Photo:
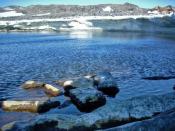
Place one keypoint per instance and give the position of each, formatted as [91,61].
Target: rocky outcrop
[32,84]
[106,83]
[114,113]
[87,99]
[162,10]
[163,122]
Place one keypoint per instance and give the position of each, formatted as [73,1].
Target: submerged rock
[106,83]
[32,84]
[29,106]
[174,87]
[87,99]
[113,113]
[51,90]
[159,78]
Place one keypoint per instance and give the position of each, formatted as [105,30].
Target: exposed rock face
[87,99]
[163,10]
[114,113]
[106,83]
[163,122]
[32,84]
[29,106]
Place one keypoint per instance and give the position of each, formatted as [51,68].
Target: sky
[141,3]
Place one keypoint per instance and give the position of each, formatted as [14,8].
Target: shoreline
[86,18]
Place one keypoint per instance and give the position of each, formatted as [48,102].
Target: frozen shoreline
[86,18]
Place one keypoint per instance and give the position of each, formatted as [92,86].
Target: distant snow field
[11,13]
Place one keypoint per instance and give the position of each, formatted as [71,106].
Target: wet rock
[78,83]
[87,99]
[66,103]
[29,106]
[106,83]
[163,122]
[44,122]
[159,78]
[113,113]
[51,90]
[32,84]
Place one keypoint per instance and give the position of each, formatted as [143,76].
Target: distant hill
[57,11]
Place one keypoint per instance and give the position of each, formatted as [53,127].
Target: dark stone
[174,87]
[106,83]
[87,99]
[159,78]
[48,105]
[113,113]
[78,83]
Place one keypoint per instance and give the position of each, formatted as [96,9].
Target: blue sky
[141,3]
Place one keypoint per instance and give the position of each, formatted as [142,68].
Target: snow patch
[107,9]
[10,14]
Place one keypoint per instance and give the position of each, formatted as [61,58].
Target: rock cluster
[87,93]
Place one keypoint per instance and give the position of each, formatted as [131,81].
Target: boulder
[87,99]
[29,106]
[105,82]
[77,83]
[113,113]
[32,84]
[51,90]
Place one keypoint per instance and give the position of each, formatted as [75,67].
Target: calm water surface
[49,57]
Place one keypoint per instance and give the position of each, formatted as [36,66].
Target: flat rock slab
[163,122]
[87,99]
[113,113]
